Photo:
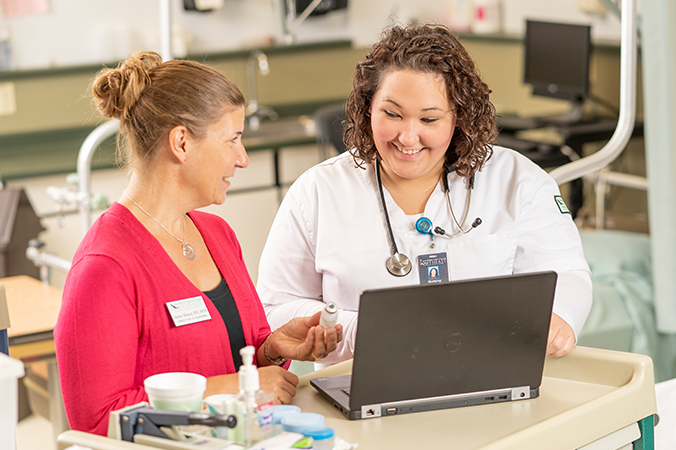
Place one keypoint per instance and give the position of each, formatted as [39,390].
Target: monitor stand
[572,116]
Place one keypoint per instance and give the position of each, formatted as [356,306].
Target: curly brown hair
[429,49]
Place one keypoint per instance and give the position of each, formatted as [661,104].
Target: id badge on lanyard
[433,268]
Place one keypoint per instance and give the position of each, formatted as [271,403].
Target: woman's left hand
[561,337]
[303,339]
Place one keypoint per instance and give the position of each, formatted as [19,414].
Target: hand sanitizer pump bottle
[255,405]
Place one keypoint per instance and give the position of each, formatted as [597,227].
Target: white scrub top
[328,242]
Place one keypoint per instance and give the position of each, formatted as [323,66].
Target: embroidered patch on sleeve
[561,204]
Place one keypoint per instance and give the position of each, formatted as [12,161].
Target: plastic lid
[175,385]
[281,411]
[298,423]
[319,434]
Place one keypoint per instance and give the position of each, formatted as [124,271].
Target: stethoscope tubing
[398,264]
[383,207]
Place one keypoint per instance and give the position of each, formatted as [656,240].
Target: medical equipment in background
[605,177]
[45,261]
[289,19]
[111,127]
[202,5]
[154,427]
[82,199]
[257,62]
[627,118]
[166,43]
[399,264]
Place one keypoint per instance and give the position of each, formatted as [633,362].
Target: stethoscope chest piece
[399,265]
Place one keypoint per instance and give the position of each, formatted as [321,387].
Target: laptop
[446,345]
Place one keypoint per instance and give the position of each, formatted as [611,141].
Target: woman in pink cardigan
[156,286]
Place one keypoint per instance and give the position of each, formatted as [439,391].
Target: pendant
[188,251]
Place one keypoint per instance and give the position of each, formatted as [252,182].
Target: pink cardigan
[114,329]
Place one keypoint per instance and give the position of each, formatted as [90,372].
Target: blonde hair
[150,98]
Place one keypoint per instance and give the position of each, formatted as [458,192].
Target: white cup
[224,404]
[218,403]
[178,391]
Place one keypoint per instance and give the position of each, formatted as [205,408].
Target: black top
[222,299]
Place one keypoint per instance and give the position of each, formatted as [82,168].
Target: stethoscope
[398,264]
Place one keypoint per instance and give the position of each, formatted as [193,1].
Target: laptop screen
[451,338]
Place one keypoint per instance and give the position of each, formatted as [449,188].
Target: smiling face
[218,154]
[412,123]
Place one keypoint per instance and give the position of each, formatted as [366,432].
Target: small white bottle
[329,317]
[255,405]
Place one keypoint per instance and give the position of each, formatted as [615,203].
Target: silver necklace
[188,251]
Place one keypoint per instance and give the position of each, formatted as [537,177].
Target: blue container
[298,423]
[279,412]
[322,438]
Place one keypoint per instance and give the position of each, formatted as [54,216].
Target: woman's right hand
[279,382]
[222,384]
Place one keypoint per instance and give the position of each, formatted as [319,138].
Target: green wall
[55,112]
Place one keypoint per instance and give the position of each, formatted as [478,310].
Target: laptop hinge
[369,411]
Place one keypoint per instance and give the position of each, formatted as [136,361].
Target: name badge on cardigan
[188,310]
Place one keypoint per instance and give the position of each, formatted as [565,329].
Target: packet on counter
[282,441]
[342,444]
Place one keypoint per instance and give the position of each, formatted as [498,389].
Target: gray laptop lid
[451,338]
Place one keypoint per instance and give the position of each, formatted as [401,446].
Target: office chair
[4,322]
[329,131]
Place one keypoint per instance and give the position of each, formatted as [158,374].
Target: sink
[275,133]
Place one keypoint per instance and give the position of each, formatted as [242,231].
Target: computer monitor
[557,60]
[323,7]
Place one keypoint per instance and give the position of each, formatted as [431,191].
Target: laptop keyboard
[345,391]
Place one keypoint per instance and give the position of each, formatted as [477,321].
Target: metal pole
[625,123]
[84,164]
[166,48]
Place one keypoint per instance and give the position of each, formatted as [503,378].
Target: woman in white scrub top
[419,116]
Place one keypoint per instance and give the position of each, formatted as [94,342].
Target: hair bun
[116,91]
